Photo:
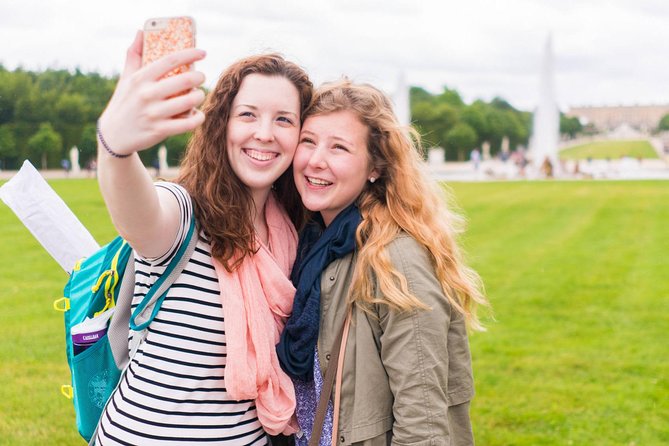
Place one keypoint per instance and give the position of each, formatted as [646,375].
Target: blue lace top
[307,395]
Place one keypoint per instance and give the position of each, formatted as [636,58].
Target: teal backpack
[96,307]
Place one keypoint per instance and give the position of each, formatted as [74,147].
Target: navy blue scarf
[316,250]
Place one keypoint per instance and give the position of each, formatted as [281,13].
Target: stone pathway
[492,170]
[495,170]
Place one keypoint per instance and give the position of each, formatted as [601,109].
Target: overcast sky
[607,52]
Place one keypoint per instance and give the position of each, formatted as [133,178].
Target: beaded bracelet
[104,144]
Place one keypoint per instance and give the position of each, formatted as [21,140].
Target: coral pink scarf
[257,299]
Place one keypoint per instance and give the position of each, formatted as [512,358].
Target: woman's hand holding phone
[149,104]
[167,35]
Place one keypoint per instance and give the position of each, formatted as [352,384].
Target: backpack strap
[122,320]
[118,329]
[148,308]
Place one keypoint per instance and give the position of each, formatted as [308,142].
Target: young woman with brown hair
[207,370]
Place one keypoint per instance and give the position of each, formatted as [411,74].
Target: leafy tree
[7,145]
[459,141]
[436,116]
[96,89]
[176,147]
[497,126]
[664,123]
[515,128]
[570,126]
[27,108]
[428,123]
[88,144]
[418,95]
[53,80]
[71,112]
[450,97]
[474,117]
[446,118]
[30,111]
[7,100]
[435,121]
[68,101]
[526,120]
[44,143]
[500,104]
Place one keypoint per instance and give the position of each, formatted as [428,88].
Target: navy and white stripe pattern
[174,391]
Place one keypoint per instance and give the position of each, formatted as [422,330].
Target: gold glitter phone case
[166,35]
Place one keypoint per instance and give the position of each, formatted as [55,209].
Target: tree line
[44,114]
[446,121]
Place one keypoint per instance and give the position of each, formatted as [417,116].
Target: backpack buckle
[62,304]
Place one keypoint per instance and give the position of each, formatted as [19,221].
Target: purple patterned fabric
[307,395]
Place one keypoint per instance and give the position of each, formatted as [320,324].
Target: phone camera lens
[153,23]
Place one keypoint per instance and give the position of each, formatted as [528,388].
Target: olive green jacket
[407,376]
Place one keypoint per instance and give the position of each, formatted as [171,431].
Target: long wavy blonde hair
[402,198]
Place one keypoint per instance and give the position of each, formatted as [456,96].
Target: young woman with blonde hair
[207,371]
[379,258]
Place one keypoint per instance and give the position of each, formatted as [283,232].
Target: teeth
[318,182]
[260,156]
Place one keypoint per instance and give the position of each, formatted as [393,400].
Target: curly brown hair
[223,204]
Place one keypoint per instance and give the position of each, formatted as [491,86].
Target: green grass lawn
[577,273]
[610,149]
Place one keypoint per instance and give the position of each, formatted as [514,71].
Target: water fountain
[401,100]
[546,120]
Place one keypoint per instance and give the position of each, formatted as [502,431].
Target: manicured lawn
[32,351]
[610,149]
[578,277]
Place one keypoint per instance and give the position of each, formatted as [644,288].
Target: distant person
[92,167]
[547,168]
[65,165]
[519,159]
[475,158]
[156,165]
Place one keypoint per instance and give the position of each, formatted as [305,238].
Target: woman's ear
[373,175]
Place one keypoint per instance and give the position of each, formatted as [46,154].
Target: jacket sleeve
[414,349]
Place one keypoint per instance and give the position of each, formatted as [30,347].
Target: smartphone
[165,35]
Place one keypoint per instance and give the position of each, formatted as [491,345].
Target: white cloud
[606,51]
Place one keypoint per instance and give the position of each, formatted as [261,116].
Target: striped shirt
[174,390]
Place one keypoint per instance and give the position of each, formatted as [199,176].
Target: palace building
[644,118]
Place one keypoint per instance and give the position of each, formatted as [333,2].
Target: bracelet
[104,144]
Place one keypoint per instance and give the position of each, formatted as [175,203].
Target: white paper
[47,217]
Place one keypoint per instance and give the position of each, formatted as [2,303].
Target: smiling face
[332,163]
[263,130]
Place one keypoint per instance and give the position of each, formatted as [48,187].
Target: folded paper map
[47,217]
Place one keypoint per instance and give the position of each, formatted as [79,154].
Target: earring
[372,179]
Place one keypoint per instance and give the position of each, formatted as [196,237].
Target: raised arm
[140,114]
